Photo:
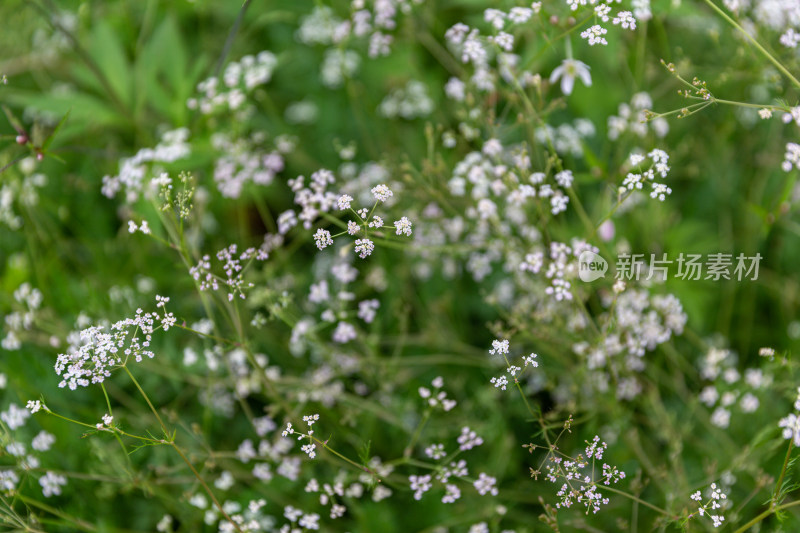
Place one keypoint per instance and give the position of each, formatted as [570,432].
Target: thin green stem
[77,522]
[755,43]
[205,486]
[638,500]
[782,475]
[116,435]
[171,442]
[362,468]
[765,514]
[417,433]
[149,403]
[208,336]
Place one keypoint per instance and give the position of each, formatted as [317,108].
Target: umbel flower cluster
[364,224]
[99,349]
[581,480]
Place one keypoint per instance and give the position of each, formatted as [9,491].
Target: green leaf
[52,135]
[13,119]
[108,53]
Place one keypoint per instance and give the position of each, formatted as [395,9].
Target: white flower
[51,484]
[485,485]
[568,71]
[43,441]
[344,201]
[625,19]
[420,485]
[364,247]
[791,428]
[530,360]
[499,383]
[595,35]
[381,192]
[309,449]
[499,347]
[403,226]
[323,238]
[564,178]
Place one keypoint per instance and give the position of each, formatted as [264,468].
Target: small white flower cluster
[304,521]
[51,484]
[238,79]
[17,322]
[373,21]
[330,493]
[363,246]
[313,199]
[244,161]
[658,165]
[455,469]
[249,519]
[310,448]
[567,139]
[728,388]
[420,485]
[471,46]
[561,267]
[485,484]
[409,102]
[501,347]
[337,66]
[24,192]
[334,299]
[437,398]
[14,418]
[780,16]
[641,322]
[631,117]
[232,267]
[107,422]
[595,34]
[97,352]
[34,406]
[134,171]
[500,182]
[715,501]
[435,451]
[144,227]
[468,439]
[791,423]
[792,157]
[8,481]
[580,484]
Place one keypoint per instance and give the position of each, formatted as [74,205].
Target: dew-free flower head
[568,71]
